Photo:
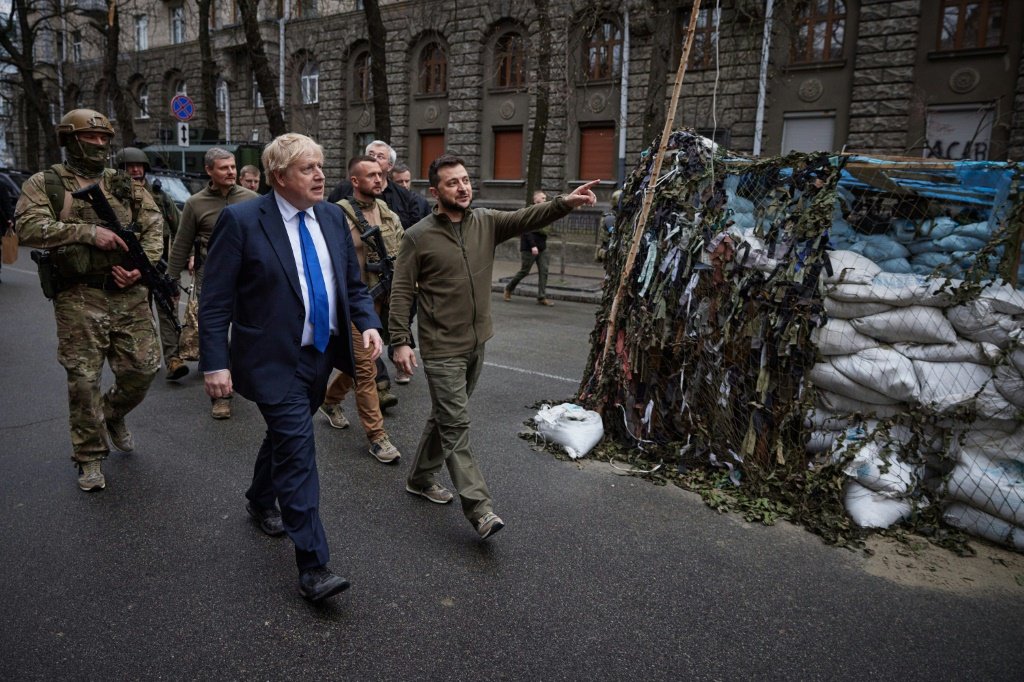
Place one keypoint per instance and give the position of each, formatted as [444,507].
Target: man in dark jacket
[410,207]
[533,248]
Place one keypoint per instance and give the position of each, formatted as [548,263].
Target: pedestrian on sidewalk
[446,262]
[533,248]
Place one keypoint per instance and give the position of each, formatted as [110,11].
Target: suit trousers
[445,439]
[285,469]
[367,403]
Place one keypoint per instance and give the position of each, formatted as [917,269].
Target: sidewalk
[579,283]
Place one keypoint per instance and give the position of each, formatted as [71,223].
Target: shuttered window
[508,154]
[597,153]
[431,147]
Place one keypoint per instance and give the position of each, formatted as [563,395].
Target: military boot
[120,436]
[90,477]
[384,395]
[176,369]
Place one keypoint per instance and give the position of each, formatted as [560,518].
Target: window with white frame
[177,25]
[181,88]
[76,46]
[257,96]
[143,100]
[222,95]
[141,32]
[310,83]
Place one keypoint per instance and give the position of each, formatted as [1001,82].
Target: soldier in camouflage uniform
[102,312]
[135,163]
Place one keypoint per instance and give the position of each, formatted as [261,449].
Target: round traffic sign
[183,108]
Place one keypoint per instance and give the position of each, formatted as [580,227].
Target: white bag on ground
[845,310]
[869,509]
[851,267]
[995,486]
[875,469]
[838,337]
[1010,384]
[983,524]
[946,385]
[979,321]
[883,370]
[961,351]
[893,288]
[913,324]
[825,375]
[574,428]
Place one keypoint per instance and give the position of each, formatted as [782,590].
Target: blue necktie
[320,314]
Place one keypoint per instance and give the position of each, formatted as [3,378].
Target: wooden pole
[645,211]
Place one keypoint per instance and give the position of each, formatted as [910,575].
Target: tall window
[142,32]
[820,27]
[971,23]
[76,46]
[508,154]
[177,25]
[431,147]
[309,83]
[362,83]
[222,95]
[257,96]
[181,88]
[510,61]
[142,97]
[602,51]
[705,37]
[597,153]
[433,70]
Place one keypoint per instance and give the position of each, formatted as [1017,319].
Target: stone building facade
[895,77]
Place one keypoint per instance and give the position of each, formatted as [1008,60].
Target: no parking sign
[183,108]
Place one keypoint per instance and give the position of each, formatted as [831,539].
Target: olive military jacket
[197,220]
[452,269]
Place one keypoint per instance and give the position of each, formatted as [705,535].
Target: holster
[49,278]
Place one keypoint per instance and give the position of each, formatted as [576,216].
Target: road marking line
[530,371]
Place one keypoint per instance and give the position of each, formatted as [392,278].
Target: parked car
[179,186]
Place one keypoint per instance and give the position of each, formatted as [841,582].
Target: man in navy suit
[282,273]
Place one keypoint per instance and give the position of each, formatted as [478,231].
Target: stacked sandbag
[899,347]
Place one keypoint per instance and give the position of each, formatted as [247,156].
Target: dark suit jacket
[252,284]
[410,206]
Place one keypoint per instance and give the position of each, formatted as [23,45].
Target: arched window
[222,95]
[433,70]
[309,83]
[142,100]
[510,61]
[602,52]
[362,82]
[819,31]
[180,87]
[971,23]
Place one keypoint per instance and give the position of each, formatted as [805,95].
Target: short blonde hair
[283,151]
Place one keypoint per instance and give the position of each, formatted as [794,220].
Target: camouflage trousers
[188,342]
[94,326]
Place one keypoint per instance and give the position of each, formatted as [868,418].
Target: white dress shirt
[290,216]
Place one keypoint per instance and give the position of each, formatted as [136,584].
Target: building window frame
[954,30]
[818,35]
[76,46]
[433,69]
[142,100]
[257,96]
[362,79]
[510,61]
[222,94]
[177,25]
[309,83]
[141,32]
[602,51]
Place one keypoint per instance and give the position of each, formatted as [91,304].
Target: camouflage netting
[756,359]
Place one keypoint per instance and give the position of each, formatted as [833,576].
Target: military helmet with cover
[131,155]
[82,121]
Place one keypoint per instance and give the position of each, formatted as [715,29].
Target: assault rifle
[384,266]
[161,287]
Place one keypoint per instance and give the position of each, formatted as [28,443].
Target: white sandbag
[877,467]
[820,441]
[849,266]
[991,404]
[841,405]
[894,288]
[961,351]
[1004,298]
[937,228]
[825,375]
[1010,384]
[896,265]
[838,337]
[1017,359]
[913,324]
[958,242]
[982,231]
[869,509]
[987,440]
[845,310]
[995,486]
[574,428]
[947,385]
[978,321]
[903,230]
[984,525]
[882,370]
[818,419]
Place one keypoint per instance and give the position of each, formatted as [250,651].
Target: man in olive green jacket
[446,260]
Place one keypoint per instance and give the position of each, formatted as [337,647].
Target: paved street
[596,576]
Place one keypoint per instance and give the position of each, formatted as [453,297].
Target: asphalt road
[596,576]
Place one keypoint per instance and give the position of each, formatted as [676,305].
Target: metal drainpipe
[624,95]
[762,82]
[281,52]
[227,113]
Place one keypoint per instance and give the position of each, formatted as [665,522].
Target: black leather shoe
[320,583]
[269,519]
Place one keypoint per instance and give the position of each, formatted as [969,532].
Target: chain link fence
[842,335]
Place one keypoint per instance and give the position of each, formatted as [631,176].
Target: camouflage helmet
[82,121]
[131,155]
[616,195]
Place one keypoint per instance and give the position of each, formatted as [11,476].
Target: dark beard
[450,205]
